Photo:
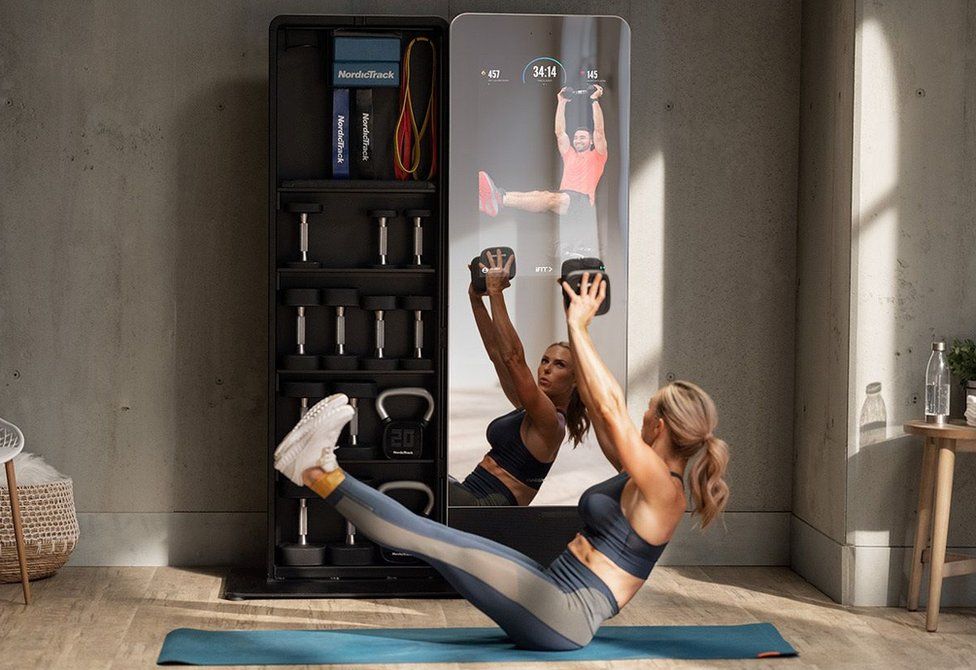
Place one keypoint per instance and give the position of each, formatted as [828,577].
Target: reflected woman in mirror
[627,520]
[524,442]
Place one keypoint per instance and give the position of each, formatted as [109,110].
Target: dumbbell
[478,273]
[353,450]
[351,551]
[301,298]
[403,438]
[395,555]
[418,215]
[417,304]
[381,216]
[303,209]
[302,552]
[340,299]
[572,273]
[379,304]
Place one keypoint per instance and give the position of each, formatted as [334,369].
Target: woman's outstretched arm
[488,337]
[536,403]
[604,399]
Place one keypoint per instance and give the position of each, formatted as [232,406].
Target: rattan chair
[11,444]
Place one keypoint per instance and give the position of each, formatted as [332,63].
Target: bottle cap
[874,387]
[938,346]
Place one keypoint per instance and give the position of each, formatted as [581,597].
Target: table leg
[940,530]
[924,524]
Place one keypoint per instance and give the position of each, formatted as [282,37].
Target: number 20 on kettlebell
[403,438]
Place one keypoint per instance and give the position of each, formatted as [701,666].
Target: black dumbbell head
[377,302]
[355,389]
[304,207]
[340,297]
[506,252]
[299,362]
[477,275]
[572,273]
[417,302]
[382,213]
[339,361]
[302,297]
[303,389]
[381,364]
[422,213]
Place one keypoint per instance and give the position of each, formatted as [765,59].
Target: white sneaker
[312,441]
[302,428]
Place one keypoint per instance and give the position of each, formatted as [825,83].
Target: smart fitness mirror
[539,135]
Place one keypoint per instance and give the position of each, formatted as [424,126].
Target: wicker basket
[47,513]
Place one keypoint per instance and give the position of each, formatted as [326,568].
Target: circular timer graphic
[544,70]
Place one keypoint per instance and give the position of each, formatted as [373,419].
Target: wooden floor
[118,617]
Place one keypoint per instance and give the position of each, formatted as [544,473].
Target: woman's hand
[583,306]
[498,276]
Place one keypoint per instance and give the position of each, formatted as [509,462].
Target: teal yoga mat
[189,646]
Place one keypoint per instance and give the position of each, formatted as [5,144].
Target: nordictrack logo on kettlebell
[404,438]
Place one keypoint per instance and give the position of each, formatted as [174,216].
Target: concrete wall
[133,254]
[823,292]
[912,280]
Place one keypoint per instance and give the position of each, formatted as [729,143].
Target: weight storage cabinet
[327,274]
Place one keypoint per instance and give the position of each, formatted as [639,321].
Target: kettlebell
[403,438]
[395,555]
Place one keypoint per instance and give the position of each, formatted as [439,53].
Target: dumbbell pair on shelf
[416,216]
[381,217]
[340,299]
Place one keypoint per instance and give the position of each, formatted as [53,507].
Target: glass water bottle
[937,385]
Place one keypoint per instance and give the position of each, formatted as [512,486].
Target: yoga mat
[189,646]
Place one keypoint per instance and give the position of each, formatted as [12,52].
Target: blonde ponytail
[709,492]
[691,417]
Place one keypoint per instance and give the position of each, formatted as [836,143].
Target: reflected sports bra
[609,531]
[510,452]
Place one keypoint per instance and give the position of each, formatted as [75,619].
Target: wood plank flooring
[117,617]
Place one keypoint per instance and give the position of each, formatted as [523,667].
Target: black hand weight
[478,273]
[572,273]
[403,438]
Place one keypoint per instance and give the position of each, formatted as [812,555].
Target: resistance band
[409,137]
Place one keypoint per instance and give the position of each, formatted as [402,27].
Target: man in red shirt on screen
[584,158]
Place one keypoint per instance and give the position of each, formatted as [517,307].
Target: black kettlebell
[396,555]
[478,273]
[403,438]
[572,273]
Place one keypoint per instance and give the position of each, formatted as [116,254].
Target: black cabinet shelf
[352,374]
[355,186]
[293,273]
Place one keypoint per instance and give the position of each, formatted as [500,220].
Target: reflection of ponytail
[690,416]
[576,419]
[709,491]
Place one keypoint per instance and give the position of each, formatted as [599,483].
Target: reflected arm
[562,139]
[489,339]
[599,136]
[536,403]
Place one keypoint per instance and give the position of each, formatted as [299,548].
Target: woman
[525,441]
[628,519]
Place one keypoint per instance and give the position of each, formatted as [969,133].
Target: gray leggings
[558,608]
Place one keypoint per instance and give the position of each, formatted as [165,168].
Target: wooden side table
[938,460]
